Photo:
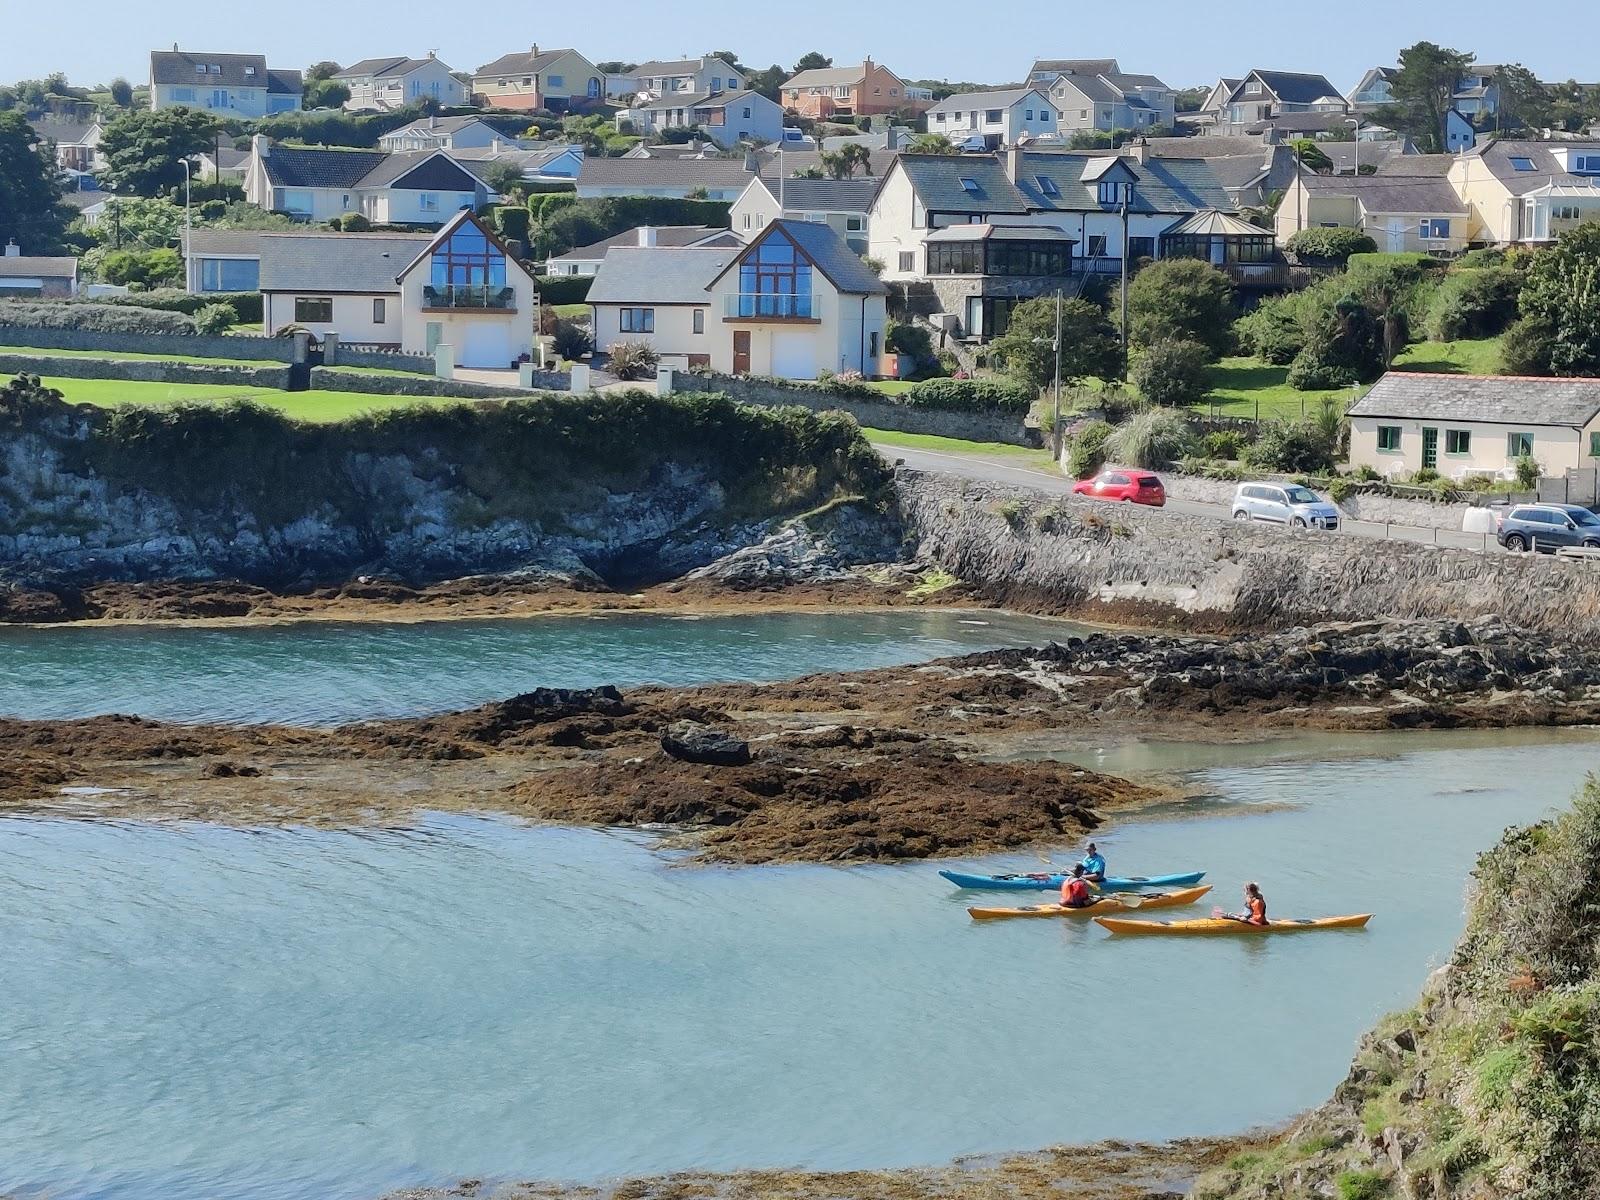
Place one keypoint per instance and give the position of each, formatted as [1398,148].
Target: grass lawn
[130,355]
[891,387]
[1247,387]
[927,441]
[570,312]
[305,406]
[1466,357]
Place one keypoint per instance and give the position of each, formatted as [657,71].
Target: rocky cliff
[626,488]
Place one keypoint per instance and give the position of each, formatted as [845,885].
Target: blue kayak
[1047,882]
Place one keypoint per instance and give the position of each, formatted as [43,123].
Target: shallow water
[196,1012]
[323,673]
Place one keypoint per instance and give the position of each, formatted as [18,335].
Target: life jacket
[1075,893]
[1257,907]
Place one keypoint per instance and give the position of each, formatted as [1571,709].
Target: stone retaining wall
[385,360]
[198,345]
[1030,548]
[145,370]
[1368,506]
[875,414]
[333,380]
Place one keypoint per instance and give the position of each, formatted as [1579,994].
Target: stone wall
[1367,506]
[181,345]
[1158,566]
[874,414]
[332,379]
[384,360]
[144,370]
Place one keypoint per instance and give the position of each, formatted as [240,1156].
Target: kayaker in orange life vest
[1255,906]
[1075,891]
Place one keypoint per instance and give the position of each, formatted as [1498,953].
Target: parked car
[1548,527]
[1284,504]
[1115,483]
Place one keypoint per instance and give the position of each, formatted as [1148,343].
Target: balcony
[452,299]
[768,306]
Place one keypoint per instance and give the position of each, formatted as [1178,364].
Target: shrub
[513,222]
[213,210]
[948,362]
[354,223]
[571,341]
[912,340]
[968,395]
[1222,443]
[215,318]
[633,360]
[1528,472]
[1361,1185]
[1309,374]
[1528,347]
[141,268]
[1087,453]
[246,304]
[1329,245]
[1424,475]
[1182,299]
[1116,401]
[1474,303]
[1340,488]
[564,289]
[98,318]
[1151,440]
[1290,446]
[1273,332]
[1171,373]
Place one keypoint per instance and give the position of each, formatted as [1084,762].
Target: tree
[504,177]
[1173,372]
[1523,99]
[145,150]
[1424,88]
[30,194]
[137,223]
[727,56]
[1181,299]
[768,83]
[1311,156]
[812,61]
[139,268]
[845,161]
[324,93]
[1562,295]
[931,143]
[122,93]
[321,70]
[1089,345]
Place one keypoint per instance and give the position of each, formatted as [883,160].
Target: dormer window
[1047,185]
[250,71]
[1110,192]
[1586,164]
[199,68]
[215,69]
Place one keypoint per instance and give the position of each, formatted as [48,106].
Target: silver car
[1284,504]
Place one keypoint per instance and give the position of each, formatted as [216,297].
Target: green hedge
[246,304]
[564,289]
[1332,245]
[513,221]
[96,318]
[967,395]
[584,222]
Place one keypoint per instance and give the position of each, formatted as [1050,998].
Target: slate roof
[828,252]
[1000,233]
[668,237]
[381,67]
[1124,80]
[439,172]
[700,100]
[1307,122]
[285,83]
[178,67]
[651,275]
[681,66]
[1344,155]
[826,195]
[523,62]
[62,130]
[664,172]
[227,158]
[12,267]
[301,167]
[1417,164]
[1498,399]
[937,180]
[999,98]
[1095,88]
[1075,66]
[1547,169]
[879,160]
[336,262]
[1211,146]
[828,77]
[443,126]
[1176,185]
[1295,87]
[1391,193]
[225,241]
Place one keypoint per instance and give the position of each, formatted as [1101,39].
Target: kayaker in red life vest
[1255,906]
[1075,891]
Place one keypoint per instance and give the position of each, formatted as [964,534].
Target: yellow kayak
[1109,904]
[1222,925]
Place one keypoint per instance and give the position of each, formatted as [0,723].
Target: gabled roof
[1074,66]
[233,70]
[651,275]
[303,167]
[831,76]
[703,100]
[825,195]
[523,62]
[285,83]
[226,157]
[999,98]
[826,252]
[1547,168]
[465,217]
[336,262]
[937,179]
[380,68]
[1126,81]
[37,268]
[1391,193]
[1093,87]
[1417,164]
[1214,146]
[421,170]
[679,66]
[225,241]
[443,127]
[63,131]
[1497,399]
[1294,87]
[668,237]
[664,172]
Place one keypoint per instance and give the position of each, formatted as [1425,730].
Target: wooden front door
[741,352]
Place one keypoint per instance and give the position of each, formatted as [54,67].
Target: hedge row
[96,318]
[246,304]
[948,395]
[564,289]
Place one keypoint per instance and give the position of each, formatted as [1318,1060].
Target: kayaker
[1075,891]
[1255,906]
[1094,865]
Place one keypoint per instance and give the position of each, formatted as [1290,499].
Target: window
[229,275]
[969,185]
[466,269]
[1047,186]
[1141,247]
[250,72]
[1109,192]
[872,344]
[1458,441]
[1435,229]
[955,258]
[1027,114]
[182,95]
[1594,445]
[199,68]
[1518,444]
[747,220]
[380,310]
[1097,246]
[775,280]
[1253,88]
[747,114]
[894,91]
[219,98]
[428,201]
[1389,438]
[993,116]
[908,260]
[1565,212]
[854,224]
[1585,164]
[939,118]
[1522,164]
[297,203]
[699,320]
[313,310]
[555,81]
[638,320]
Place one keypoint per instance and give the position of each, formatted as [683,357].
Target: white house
[223,260]
[685,76]
[1473,424]
[1263,96]
[424,188]
[841,204]
[1413,213]
[443,133]
[76,144]
[387,83]
[713,178]
[558,162]
[1112,100]
[794,303]
[586,260]
[230,85]
[340,283]
[994,118]
[727,118]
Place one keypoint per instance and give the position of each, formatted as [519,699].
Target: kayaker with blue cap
[1075,891]
[1094,865]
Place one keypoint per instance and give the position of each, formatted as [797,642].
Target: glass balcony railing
[469,297]
[757,306]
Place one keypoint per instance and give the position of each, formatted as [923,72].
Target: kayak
[1221,925]
[1109,905]
[1051,882]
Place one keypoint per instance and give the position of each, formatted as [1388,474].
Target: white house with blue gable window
[468,291]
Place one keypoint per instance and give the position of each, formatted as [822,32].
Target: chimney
[1140,151]
[13,250]
[174,47]
[433,54]
[891,140]
[752,163]
[260,147]
[647,235]
[536,48]
[494,147]
[433,122]
[1013,162]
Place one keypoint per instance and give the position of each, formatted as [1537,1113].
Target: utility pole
[1055,425]
[1127,196]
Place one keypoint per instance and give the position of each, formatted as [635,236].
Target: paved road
[1000,469]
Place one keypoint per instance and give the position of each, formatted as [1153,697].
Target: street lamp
[188,224]
[1355,125]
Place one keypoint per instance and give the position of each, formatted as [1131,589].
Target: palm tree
[931,143]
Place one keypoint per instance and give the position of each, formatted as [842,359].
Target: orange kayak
[1109,904]
[1223,926]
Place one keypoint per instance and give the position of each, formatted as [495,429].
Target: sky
[1184,42]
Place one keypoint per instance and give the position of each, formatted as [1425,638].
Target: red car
[1115,483]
